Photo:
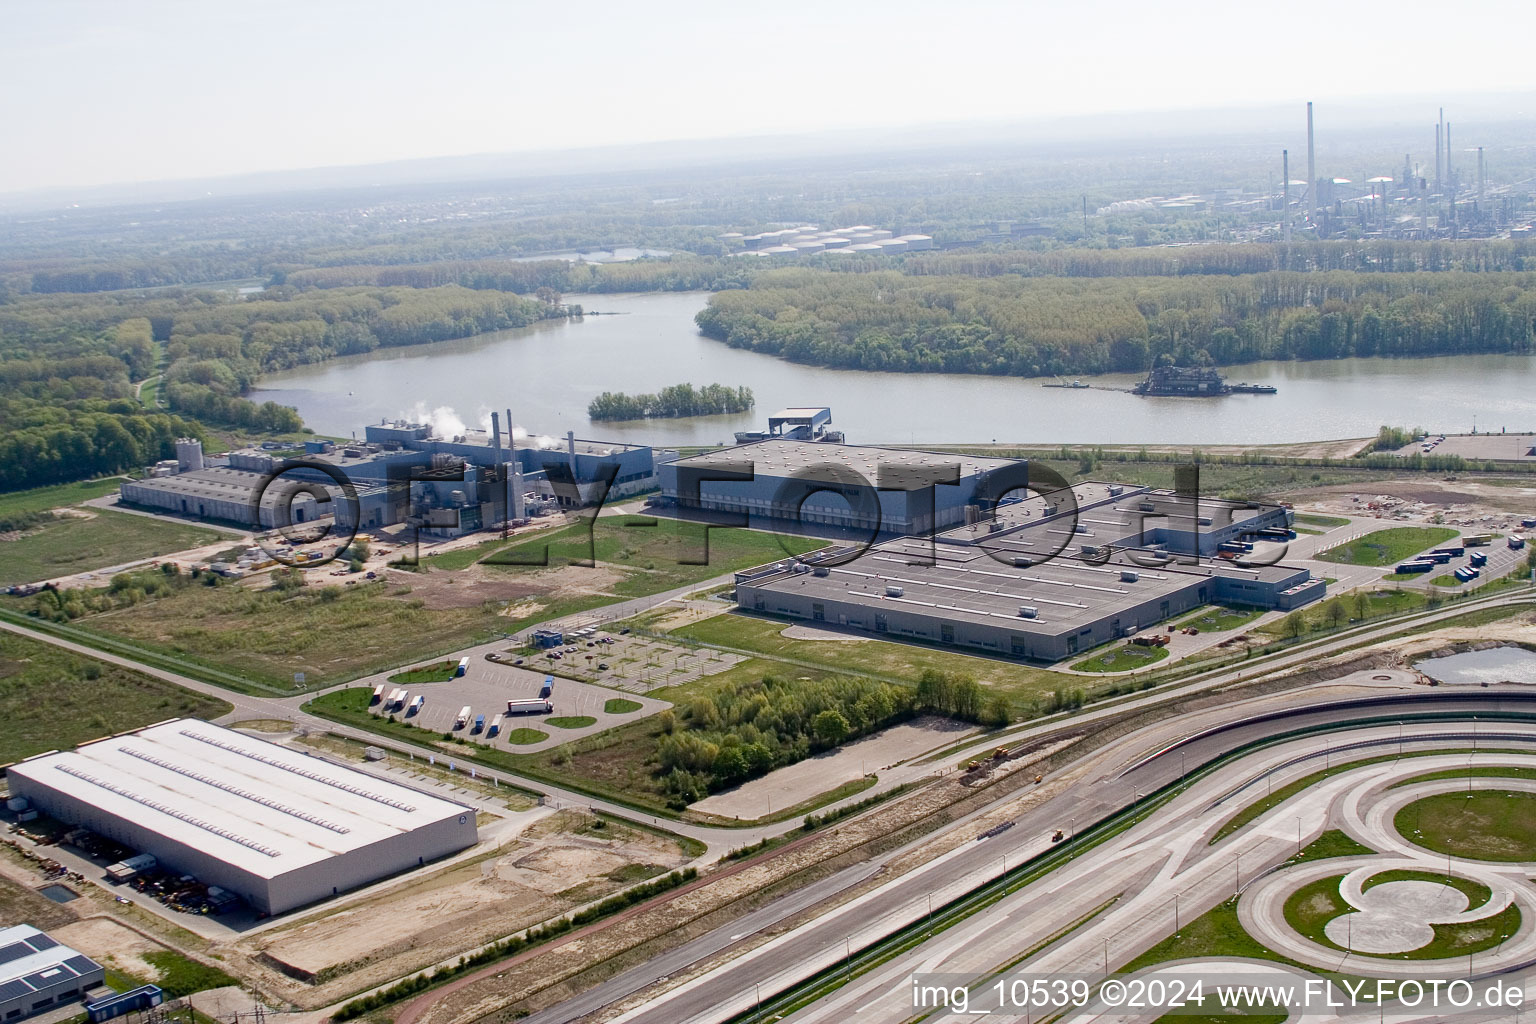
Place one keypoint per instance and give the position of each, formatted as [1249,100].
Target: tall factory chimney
[1408,173]
[570,451]
[1440,152]
[1482,179]
[496,436]
[1285,194]
[1311,167]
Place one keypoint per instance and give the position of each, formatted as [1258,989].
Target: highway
[1144,867]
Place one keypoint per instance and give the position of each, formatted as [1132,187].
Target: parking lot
[487,686]
[635,662]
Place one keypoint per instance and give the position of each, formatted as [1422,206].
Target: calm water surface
[1497,665]
[549,372]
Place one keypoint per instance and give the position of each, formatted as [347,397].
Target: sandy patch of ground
[544,872]
[111,943]
[793,784]
[1455,498]
[1520,628]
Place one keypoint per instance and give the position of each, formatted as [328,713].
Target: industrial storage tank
[838,252]
[917,241]
[781,250]
[893,245]
[865,247]
[879,233]
[807,248]
[834,242]
[189,455]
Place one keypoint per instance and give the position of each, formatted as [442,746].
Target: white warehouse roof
[258,806]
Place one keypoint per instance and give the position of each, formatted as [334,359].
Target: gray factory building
[859,487]
[276,827]
[401,472]
[1042,580]
[38,973]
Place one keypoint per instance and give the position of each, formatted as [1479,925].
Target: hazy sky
[128,90]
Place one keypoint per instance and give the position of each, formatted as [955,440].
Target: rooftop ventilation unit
[1023,562]
[821,570]
[1028,611]
[1129,576]
[894,591]
[1115,490]
[1204,520]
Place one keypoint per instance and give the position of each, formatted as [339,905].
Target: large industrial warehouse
[1042,580]
[860,487]
[400,472]
[275,827]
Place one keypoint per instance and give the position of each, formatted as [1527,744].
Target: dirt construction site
[541,864]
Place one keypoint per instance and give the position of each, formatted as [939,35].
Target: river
[548,373]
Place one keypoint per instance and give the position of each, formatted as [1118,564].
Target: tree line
[727,737]
[1042,326]
[674,401]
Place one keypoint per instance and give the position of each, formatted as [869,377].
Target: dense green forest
[68,363]
[1035,326]
[671,402]
[679,273]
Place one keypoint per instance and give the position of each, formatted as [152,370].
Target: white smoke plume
[443,420]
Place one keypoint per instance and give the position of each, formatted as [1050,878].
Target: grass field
[849,653]
[437,672]
[1218,618]
[332,633]
[1377,603]
[1446,581]
[19,903]
[1328,522]
[1125,658]
[652,551]
[41,499]
[1388,547]
[181,976]
[570,721]
[52,699]
[68,545]
[1484,824]
[526,736]
[1309,909]
[620,706]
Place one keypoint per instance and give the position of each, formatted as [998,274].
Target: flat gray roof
[781,457]
[973,574]
[261,807]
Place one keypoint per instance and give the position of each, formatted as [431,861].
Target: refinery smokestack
[496,435]
[1440,152]
[1311,167]
[1482,179]
[1450,174]
[1285,194]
